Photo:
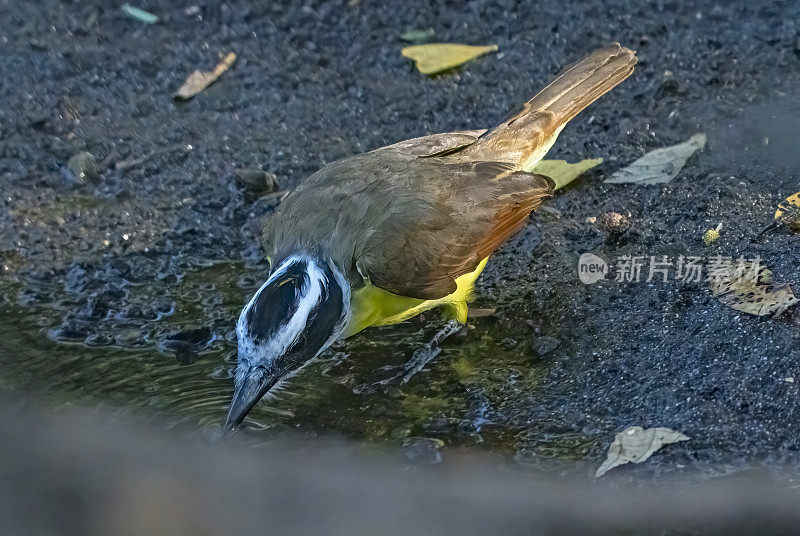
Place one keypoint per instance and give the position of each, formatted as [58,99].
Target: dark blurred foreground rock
[86,473]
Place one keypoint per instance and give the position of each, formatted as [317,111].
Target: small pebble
[526,456]
[84,167]
[509,344]
[544,345]
[614,222]
[423,450]
[436,424]
[257,181]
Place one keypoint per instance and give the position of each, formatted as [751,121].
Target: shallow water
[178,364]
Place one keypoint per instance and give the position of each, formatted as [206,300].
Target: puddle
[168,347]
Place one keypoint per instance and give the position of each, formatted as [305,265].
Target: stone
[544,345]
[84,167]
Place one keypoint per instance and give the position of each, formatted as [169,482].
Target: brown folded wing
[436,144]
[428,241]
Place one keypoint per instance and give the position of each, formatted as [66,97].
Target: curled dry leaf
[563,172]
[788,212]
[747,288]
[635,445]
[437,57]
[614,223]
[711,235]
[787,215]
[661,165]
[199,80]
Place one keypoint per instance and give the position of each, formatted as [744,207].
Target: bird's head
[300,310]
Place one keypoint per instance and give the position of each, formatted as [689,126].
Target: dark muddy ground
[124,292]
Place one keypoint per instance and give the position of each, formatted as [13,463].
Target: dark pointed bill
[256,384]
[295,315]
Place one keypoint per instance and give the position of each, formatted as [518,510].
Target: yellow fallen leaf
[199,80]
[563,172]
[791,201]
[747,288]
[789,212]
[437,57]
[711,235]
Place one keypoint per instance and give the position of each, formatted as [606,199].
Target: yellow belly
[372,306]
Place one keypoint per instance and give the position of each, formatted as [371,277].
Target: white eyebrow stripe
[280,270]
[289,332]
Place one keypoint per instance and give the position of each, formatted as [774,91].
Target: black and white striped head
[300,310]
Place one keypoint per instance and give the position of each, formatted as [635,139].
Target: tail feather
[581,83]
[526,136]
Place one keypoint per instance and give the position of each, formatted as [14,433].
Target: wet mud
[123,272]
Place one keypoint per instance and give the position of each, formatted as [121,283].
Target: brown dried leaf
[635,445]
[199,80]
[480,313]
[753,295]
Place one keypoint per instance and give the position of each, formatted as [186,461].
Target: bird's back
[411,225]
[417,219]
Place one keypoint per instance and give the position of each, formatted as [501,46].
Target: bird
[377,238]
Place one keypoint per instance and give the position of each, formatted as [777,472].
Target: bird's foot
[422,356]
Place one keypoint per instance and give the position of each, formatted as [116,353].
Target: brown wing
[436,144]
[426,242]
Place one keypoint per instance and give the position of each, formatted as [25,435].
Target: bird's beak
[256,384]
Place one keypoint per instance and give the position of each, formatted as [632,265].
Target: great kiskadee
[379,237]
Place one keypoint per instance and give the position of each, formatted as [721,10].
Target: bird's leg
[426,354]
